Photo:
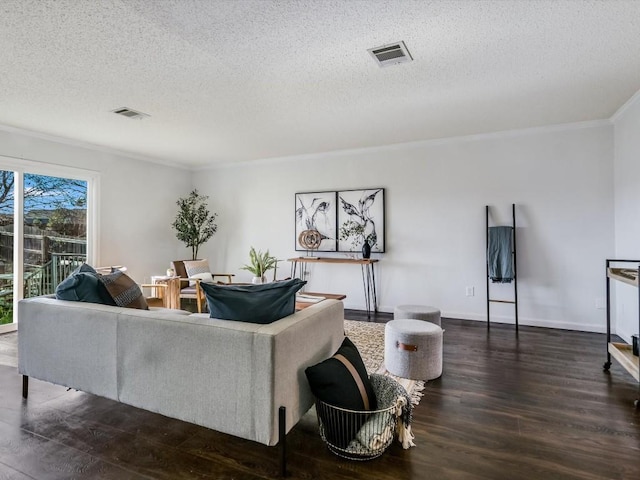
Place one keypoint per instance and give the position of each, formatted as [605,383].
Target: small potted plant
[355,233]
[260,263]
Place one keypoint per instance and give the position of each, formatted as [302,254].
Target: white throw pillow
[206,277]
[197,267]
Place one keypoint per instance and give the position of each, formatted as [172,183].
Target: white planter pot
[259,280]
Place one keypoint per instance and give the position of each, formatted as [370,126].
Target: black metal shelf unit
[515,268]
[620,351]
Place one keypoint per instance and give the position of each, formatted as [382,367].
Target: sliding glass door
[7,180]
[45,232]
[54,232]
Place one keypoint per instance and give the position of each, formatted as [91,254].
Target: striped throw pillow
[124,291]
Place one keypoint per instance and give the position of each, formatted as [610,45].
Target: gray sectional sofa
[229,376]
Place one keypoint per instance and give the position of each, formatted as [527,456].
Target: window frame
[20,167]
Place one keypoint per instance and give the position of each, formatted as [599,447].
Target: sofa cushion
[342,381]
[263,304]
[124,291]
[83,285]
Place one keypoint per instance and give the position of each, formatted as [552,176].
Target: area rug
[368,337]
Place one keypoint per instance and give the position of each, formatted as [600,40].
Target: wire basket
[356,435]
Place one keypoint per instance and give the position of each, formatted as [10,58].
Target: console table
[366,266]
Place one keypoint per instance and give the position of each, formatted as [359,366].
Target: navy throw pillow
[83,285]
[337,383]
[263,304]
[342,381]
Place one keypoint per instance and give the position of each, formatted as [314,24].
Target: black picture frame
[316,211]
[361,214]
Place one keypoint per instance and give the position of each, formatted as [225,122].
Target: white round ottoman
[413,349]
[417,312]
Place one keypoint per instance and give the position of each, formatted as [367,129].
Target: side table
[171,293]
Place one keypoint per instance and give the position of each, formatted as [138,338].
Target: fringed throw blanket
[390,392]
[394,409]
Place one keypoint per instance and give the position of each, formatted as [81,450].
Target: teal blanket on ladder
[499,255]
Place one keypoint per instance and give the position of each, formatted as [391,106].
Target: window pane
[6,246]
[55,231]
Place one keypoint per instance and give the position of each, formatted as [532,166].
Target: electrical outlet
[470,291]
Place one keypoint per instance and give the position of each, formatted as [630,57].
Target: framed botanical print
[316,221]
[360,219]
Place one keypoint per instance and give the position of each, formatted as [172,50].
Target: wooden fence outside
[48,259]
[38,247]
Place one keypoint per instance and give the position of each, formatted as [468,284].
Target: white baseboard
[626,336]
[510,320]
[529,322]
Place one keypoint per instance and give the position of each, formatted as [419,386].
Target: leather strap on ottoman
[407,347]
[413,349]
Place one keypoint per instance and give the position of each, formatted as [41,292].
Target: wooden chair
[194,291]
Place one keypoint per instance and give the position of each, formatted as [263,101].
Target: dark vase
[366,249]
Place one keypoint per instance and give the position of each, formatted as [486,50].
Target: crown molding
[625,106]
[332,153]
[89,146]
[416,144]
[45,168]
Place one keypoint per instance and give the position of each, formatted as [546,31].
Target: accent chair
[191,273]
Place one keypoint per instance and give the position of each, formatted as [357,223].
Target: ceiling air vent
[129,113]
[391,54]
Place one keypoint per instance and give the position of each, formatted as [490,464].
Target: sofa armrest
[303,339]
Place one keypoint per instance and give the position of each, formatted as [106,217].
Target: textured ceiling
[239,80]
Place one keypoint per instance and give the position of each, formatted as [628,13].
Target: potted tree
[260,263]
[194,223]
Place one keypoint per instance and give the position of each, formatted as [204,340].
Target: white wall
[627,210]
[560,178]
[137,200]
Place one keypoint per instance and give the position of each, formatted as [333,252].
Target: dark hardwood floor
[534,407]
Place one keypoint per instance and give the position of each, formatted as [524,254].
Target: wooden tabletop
[300,304]
[359,261]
